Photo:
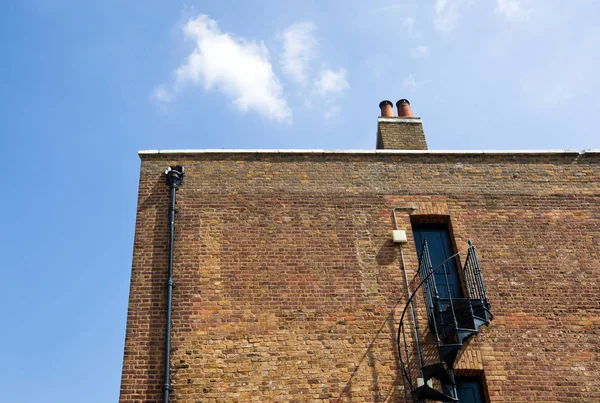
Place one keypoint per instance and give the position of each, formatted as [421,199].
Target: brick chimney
[402,132]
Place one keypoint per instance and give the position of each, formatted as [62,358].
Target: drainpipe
[174,181]
[412,304]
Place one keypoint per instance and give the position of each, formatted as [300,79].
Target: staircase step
[427,392]
[463,334]
[438,371]
[480,322]
[448,353]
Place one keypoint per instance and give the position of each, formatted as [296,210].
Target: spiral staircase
[428,354]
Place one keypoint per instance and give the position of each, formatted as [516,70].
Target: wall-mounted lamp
[399,236]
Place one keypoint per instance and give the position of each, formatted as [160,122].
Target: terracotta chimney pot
[387,108]
[404,110]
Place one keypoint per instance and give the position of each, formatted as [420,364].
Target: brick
[290,289]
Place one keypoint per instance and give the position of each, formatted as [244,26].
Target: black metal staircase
[428,371]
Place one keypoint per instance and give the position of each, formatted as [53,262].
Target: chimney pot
[404,109]
[387,108]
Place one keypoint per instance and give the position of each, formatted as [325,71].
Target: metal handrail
[473,283]
[423,281]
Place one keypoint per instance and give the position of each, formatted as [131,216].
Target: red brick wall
[289,288]
[404,133]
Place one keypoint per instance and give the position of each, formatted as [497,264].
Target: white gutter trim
[394,152]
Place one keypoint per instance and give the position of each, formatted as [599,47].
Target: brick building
[292,275]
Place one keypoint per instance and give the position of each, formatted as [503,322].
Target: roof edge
[396,152]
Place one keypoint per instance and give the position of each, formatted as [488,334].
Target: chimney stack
[402,132]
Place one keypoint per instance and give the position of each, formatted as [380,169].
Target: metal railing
[444,315]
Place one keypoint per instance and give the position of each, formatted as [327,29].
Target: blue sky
[86,84]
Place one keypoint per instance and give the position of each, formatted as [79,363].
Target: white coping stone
[297,151]
[397,119]
[399,152]
[350,151]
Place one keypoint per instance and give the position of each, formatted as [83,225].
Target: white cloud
[409,23]
[235,66]
[419,52]
[387,9]
[331,82]
[161,94]
[332,111]
[317,86]
[447,14]
[299,50]
[241,70]
[511,10]
[410,83]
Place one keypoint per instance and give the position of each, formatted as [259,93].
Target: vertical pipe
[174,180]
[407,356]
[404,375]
[414,317]
[412,308]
